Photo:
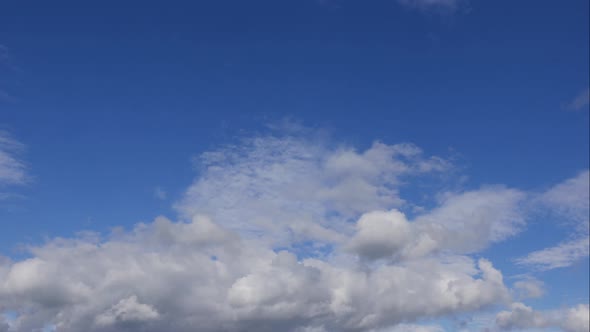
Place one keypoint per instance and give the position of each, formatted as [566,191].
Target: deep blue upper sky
[113,98]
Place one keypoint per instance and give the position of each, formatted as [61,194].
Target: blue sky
[466,115]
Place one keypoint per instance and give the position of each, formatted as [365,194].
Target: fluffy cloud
[520,316]
[463,223]
[178,276]
[278,234]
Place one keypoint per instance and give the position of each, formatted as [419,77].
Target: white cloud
[231,263]
[528,288]
[570,202]
[520,316]
[12,168]
[561,255]
[225,272]
[178,276]
[463,223]
[382,234]
[470,221]
[298,190]
[128,310]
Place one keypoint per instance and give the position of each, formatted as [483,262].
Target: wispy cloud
[437,6]
[568,201]
[301,188]
[12,168]
[561,255]
[6,65]
[6,97]
[580,102]
[445,5]
[160,193]
[528,287]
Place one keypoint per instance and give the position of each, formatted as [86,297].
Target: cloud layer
[520,317]
[280,233]
[178,276]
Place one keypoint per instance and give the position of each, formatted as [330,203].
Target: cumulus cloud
[520,316]
[278,234]
[178,276]
[463,223]
[231,263]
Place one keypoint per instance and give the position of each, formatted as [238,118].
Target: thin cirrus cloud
[443,6]
[570,202]
[12,167]
[451,5]
[580,102]
[160,193]
[233,261]
[560,255]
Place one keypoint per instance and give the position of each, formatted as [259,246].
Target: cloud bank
[280,233]
[520,316]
